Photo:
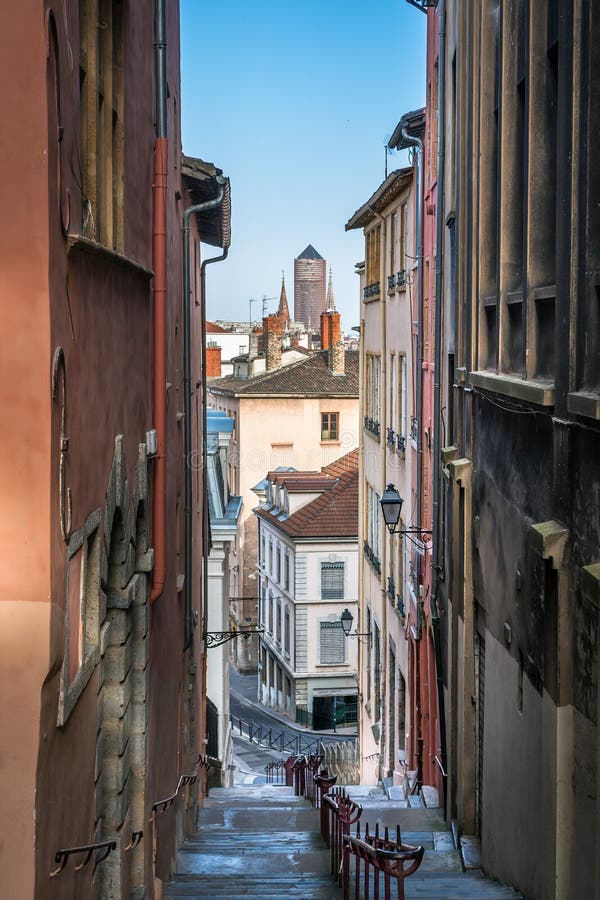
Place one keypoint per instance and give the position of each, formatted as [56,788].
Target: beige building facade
[301,415]
[387,455]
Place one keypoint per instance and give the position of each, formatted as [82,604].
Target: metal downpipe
[205,519]
[187,399]
[437,390]
[159,296]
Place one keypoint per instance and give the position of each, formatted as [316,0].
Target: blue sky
[294,100]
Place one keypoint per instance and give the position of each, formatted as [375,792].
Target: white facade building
[308,574]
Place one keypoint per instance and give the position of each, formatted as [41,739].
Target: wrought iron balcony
[391,282]
[372,426]
[401,278]
[401,443]
[391,437]
[373,559]
[372,290]
[400,605]
[414,428]
[391,587]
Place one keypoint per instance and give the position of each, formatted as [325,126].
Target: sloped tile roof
[308,377]
[387,191]
[333,514]
[213,328]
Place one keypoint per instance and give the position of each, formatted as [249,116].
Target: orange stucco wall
[25,430]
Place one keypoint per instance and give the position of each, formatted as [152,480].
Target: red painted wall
[99,311]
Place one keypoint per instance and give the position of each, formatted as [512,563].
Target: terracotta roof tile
[334,513]
[308,377]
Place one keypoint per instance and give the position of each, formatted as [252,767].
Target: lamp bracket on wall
[216,638]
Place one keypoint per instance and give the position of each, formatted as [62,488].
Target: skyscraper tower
[310,270]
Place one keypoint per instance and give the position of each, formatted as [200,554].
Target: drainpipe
[418,144]
[437,391]
[159,296]
[205,519]
[187,395]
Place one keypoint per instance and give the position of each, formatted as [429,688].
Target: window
[81,648]
[332,650]
[373,521]
[286,631]
[372,260]
[332,581]
[263,553]
[373,397]
[271,557]
[377,672]
[393,242]
[368,655]
[393,391]
[329,426]
[402,418]
[403,234]
[101,104]
[270,613]
[286,571]
[278,623]
[278,573]
[263,605]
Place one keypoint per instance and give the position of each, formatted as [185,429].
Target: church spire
[330,304]
[283,310]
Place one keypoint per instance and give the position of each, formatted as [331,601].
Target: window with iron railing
[373,394]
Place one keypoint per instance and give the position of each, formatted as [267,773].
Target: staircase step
[262,841]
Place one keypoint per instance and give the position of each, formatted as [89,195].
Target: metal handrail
[161,806]
[438,762]
[273,739]
[61,857]
[382,855]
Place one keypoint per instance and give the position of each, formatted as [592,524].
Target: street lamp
[346,619]
[391,505]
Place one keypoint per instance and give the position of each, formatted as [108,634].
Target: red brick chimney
[213,361]
[331,329]
[273,328]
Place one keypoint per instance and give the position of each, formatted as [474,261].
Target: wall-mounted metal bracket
[216,638]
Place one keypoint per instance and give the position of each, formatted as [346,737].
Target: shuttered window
[333,644]
[332,581]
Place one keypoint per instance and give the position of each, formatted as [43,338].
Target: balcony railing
[391,282]
[373,559]
[372,290]
[400,443]
[391,587]
[401,278]
[391,437]
[414,428]
[400,605]
[373,426]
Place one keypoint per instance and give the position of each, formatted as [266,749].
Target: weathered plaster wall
[25,428]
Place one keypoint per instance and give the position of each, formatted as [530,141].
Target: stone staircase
[254,841]
[262,841]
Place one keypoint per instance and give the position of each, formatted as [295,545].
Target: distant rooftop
[310,253]
[310,377]
[333,514]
